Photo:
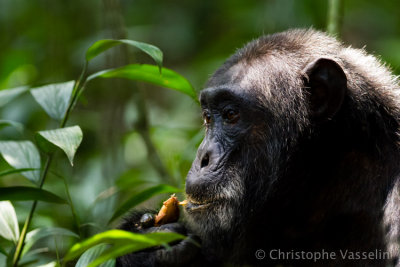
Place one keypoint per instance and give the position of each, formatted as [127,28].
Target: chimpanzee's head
[284,103]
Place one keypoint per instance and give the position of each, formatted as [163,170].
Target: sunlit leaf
[103,45]
[54,98]
[149,73]
[143,196]
[20,155]
[23,193]
[7,95]
[8,221]
[92,254]
[68,139]
[35,235]
[18,126]
[122,242]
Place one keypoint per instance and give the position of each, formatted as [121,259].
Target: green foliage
[9,94]
[35,235]
[58,100]
[92,254]
[149,73]
[8,172]
[8,222]
[68,139]
[20,155]
[103,45]
[54,98]
[121,242]
[24,193]
[16,125]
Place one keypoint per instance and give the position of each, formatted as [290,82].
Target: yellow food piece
[183,203]
[169,212]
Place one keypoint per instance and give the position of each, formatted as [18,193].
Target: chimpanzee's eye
[231,115]
[206,117]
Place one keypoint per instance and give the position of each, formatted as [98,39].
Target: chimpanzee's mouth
[195,205]
[191,206]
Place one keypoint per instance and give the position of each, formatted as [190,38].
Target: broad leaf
[68,139]
[129,246]
[103,45]
[20,155]
[8,221]
[92,254]
[143,196]
[30,261]
[18,126]
[50,264]
[54,98]
[24,193]
[122,242]
[150,73]
[7,95]
[8,172]
[35,235]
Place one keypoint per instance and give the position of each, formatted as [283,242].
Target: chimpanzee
[299,165]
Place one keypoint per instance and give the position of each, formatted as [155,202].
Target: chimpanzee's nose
[205,160]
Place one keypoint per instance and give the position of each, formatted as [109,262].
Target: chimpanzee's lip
[191,206]
[197,205]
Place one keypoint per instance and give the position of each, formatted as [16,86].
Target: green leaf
[68,139]
[20,155]
[92,254]
[18,126]
[103,45]
[8,172]
[122,242]
[8,221]
[35,235]
[149,73]
[54,98]
[50,264]
[2,251]
[23,193]
[7,95]
[143,196]
[131,179]
[29,262]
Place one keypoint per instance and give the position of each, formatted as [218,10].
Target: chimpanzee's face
[216,183]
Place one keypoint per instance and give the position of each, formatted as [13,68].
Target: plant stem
[143,128]
[335,16]
[57,254]
[74,215]
[75,92]
[22,237]
[154,157]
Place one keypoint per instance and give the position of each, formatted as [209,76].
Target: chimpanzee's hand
[181,253]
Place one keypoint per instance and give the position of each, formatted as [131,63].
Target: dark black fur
[301,153]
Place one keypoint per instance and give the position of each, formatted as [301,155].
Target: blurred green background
[44,41]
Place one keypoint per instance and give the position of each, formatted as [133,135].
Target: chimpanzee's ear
[326,83]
